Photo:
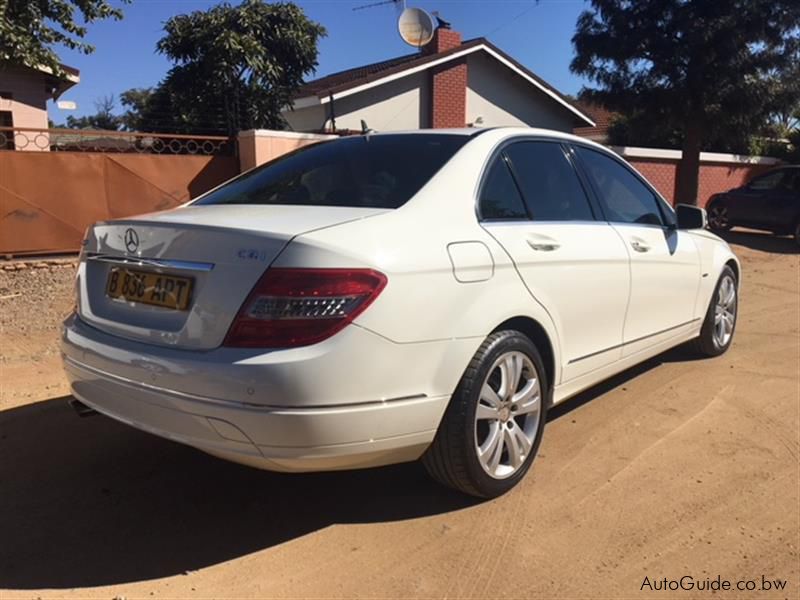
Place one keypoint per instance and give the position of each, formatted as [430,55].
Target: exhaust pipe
[82,409]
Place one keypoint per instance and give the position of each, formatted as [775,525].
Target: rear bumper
[299,436]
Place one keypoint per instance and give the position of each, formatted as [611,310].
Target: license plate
[157,289]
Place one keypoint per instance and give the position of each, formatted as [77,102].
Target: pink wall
[29,97]
[262,145]
[28,104]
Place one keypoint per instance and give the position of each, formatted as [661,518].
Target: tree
[136,102]
[700,68]
[235,67]
[104,118]
[30,28]
[786,116]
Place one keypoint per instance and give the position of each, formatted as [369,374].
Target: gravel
[34,300]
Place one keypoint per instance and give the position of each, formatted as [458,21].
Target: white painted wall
[395,106]
[501,97]
[311,118]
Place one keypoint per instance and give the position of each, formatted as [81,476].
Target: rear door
[664,262]
[533,202]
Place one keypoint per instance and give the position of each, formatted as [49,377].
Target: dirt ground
[678,467]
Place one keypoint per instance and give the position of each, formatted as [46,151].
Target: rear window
[378,171]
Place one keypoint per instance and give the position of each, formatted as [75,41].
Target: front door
[782,204]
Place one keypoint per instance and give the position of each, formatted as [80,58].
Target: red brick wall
[448,83]
[443,39]
[719,177]
[449,95]
[661,173]
[714,177]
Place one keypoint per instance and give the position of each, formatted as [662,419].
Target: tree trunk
[688,174]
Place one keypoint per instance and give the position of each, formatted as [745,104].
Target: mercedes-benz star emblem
[131,240]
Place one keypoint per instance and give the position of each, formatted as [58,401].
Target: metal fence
[83,140]
[51,191]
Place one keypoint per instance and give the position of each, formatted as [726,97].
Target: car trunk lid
[213,254]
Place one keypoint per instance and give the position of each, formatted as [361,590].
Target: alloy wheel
[725,311]
[718,217]
[507,415]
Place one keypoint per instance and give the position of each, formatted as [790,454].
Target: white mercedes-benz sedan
[389,297]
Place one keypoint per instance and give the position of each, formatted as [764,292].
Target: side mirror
[691,217]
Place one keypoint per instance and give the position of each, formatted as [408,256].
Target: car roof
[499,133]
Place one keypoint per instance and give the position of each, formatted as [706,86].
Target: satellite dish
[416,27]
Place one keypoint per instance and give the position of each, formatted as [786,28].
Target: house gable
[400,104]
[500,97]
[446,70]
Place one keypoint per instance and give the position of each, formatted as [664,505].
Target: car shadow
[678,354]
[91,502]
[763,241]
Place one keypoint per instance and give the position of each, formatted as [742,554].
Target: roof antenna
[381,3]
[364,129]
[440,22]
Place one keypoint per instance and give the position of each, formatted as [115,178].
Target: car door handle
[639,246]
[543,246]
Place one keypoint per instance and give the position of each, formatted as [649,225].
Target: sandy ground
[679,467]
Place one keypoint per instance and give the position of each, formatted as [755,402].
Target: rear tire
[719,325]
[493,426]
[797,233]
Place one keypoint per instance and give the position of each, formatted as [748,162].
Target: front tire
[493,425]
[718,217]
[719,325]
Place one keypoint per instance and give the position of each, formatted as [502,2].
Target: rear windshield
[378,171]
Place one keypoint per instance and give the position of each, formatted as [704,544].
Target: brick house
[602,118]
[450,83]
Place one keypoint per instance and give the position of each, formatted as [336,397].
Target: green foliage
[30,28]
[700,73]
[785,118]
[793,150]
[657,130]
[686,59]
[637,128]
[787,148]
[235,67]
[136,101]
[104,118]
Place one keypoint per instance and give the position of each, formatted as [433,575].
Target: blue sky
[538,35]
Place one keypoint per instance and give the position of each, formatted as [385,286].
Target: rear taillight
[297,307]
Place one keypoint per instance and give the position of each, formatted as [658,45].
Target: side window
[767,182]
[625,198]
[549,184]
[500,197]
